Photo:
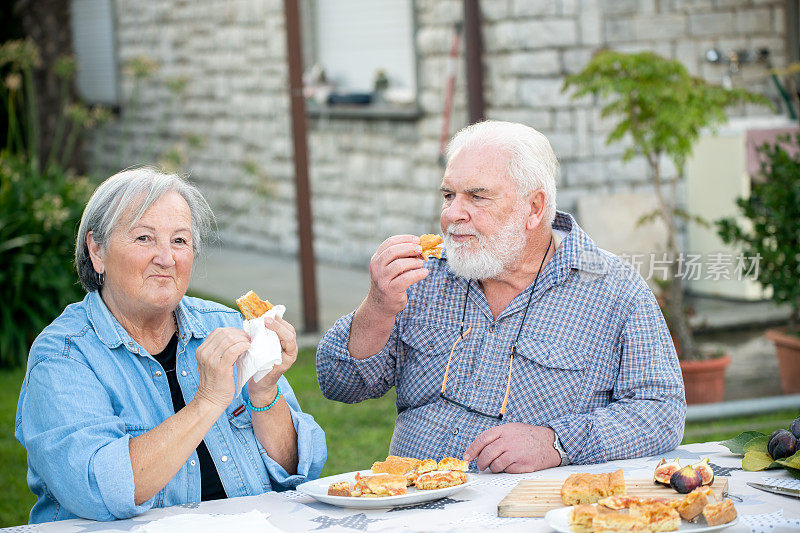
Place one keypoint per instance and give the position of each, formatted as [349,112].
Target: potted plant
[770,233]
[661,111]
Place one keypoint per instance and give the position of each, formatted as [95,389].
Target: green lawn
[356,434]
[17,502]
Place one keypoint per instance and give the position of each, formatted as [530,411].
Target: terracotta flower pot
[787,347]
[704,381]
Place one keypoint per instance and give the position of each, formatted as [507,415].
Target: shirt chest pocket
[422,362]
[547,380]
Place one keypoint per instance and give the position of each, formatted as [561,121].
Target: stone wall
[375,177]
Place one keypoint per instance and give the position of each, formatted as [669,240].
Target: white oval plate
[558,519]
[318,489]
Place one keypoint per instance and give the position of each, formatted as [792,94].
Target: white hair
[532,165]
[141,186]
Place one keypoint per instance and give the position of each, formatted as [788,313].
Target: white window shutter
[356,38]
[95,50]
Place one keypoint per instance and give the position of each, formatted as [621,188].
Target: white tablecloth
[473,509]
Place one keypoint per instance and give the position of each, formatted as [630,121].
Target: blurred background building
[203,85]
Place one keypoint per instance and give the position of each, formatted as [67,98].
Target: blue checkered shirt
[595,361]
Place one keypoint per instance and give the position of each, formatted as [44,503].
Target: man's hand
[514,448]
[394,267]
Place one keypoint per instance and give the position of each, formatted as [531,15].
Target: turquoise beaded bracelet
[267,408]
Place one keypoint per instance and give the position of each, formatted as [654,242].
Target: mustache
[456,230]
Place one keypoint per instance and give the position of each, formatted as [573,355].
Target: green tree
[661,110]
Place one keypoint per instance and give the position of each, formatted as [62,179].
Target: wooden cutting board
[534,497]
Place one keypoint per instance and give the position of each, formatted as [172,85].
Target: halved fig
[664,471]
[703,468]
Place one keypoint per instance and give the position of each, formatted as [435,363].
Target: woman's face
[147,267]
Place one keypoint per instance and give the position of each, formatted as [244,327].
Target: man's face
[483,220]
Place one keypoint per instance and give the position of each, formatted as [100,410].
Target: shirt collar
[188,324]
[108,329]
[577,250]
[112,334]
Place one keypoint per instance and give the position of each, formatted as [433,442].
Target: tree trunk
[678,322]
[47,23]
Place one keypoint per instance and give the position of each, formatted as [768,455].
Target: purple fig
[685,480]
[795,428]
[782,444]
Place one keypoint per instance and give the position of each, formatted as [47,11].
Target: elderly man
[525,346]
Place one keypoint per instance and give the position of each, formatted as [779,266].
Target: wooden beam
[294,53]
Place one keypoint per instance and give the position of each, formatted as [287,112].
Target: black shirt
[210,484]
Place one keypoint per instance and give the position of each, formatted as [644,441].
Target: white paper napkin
[252,522]
[264,352]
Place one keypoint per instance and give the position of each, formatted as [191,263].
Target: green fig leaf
[755,461]
[736,444]
[758,444]
[793,461]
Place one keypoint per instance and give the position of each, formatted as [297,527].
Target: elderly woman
[128,401]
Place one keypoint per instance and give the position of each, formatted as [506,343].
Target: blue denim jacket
[89,388]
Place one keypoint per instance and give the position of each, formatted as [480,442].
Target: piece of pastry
[440,480]
[451,463]
[624,501]
[691,505]
[719,513]
[379,485]
[590,488]
[400,466]
[617,522]
[431,245]
[428,465]
[581,516]
[658,516]
[340,488]
[252,306]
[616,483]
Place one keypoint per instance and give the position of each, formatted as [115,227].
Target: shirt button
[455,431]
[224,458]
[192,462]
[183,373]
[158,373]
[477,383]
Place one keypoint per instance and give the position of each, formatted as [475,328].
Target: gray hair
[533,164]
[144,185]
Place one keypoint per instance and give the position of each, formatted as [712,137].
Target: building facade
[216,100]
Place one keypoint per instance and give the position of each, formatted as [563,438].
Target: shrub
[772,228]
[40,203]
[39,214]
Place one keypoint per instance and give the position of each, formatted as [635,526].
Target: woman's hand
[215,359]
[263,392]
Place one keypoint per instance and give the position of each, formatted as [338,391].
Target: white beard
[494,253]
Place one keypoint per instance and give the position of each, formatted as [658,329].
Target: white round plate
[318,489]
[558,519]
